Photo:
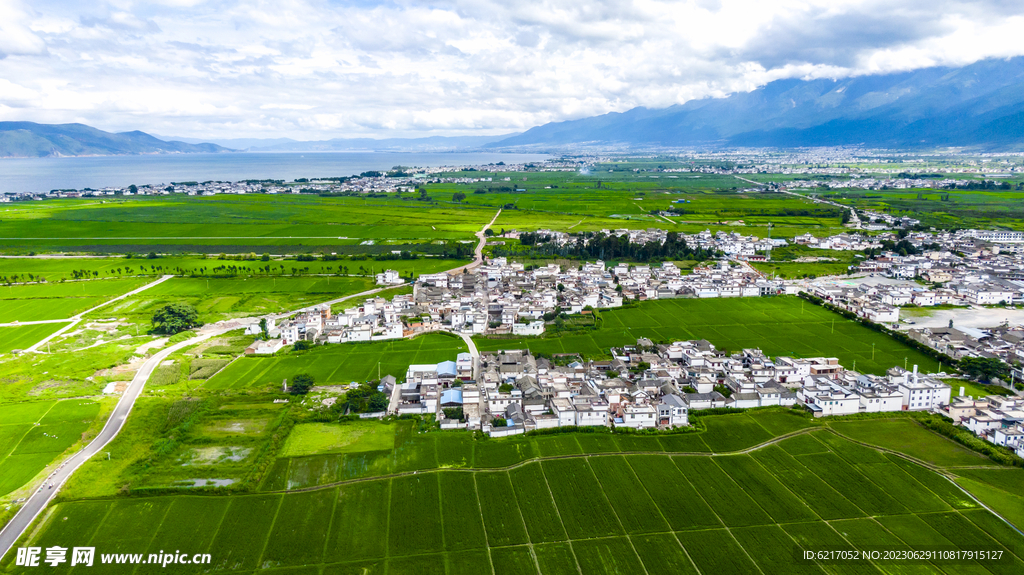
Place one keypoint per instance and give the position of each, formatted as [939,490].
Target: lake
[45,174]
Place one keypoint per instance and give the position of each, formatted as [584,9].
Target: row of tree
[589,246]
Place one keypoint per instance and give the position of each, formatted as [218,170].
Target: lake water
[45,174]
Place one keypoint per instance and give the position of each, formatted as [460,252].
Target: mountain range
[977,105]
[28,139]
[980,105]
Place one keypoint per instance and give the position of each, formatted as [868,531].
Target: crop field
[297,223]
[219,298]
[54,269]
[36,302]
[400,449]
[601,513]
[24,336]
[911,438]
[945,208]
[340,363]
[33,434]
[784,326]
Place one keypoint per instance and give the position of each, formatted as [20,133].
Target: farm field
[222,298]
[909,437]
[779,325]
[55,269]
[36,302]
[339,364]
[24,336]
[233,224]
[33,434]
[407,450]
[655,512]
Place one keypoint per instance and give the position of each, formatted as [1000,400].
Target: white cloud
[312,69]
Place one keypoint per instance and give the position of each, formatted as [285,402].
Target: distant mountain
[430,144]
[980,105]
[31,140]
[232,143]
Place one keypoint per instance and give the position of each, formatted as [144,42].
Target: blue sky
[313,69]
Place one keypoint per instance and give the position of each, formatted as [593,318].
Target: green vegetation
[174,318]
[25,336]
[941,208]
[223,298]
[777,325]
[334,364]
[45,301]
[314,438]
[908,436]
[654,512]
[32,435]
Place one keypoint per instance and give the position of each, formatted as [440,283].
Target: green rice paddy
[557,507]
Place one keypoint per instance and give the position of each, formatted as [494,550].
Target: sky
[319,69]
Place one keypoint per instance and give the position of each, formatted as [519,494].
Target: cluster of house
[383,183]
[505,297]
[645,386]
[996,418]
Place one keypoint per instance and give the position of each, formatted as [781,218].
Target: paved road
[478,253]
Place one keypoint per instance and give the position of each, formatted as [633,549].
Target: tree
[985,368]
[378,402]
[505,388]
[265,257]
[133,189]
[302,383]
[458,197]
[488,232]
[152,256]
[174,318]
[263,328]
[302,345]
[499,422]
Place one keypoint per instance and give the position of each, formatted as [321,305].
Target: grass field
[313,438]
[24,336]
[33,434]
[654,513]
[221,298]
[343,363]
[778,326]
[35,302]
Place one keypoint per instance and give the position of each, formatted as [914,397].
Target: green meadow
[777,325]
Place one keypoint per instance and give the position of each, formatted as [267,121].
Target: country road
[478,253]
[42,496]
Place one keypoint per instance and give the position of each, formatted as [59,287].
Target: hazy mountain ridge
[31,140]
[977,105]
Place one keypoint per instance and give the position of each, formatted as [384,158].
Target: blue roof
[446,368]
[453,395]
